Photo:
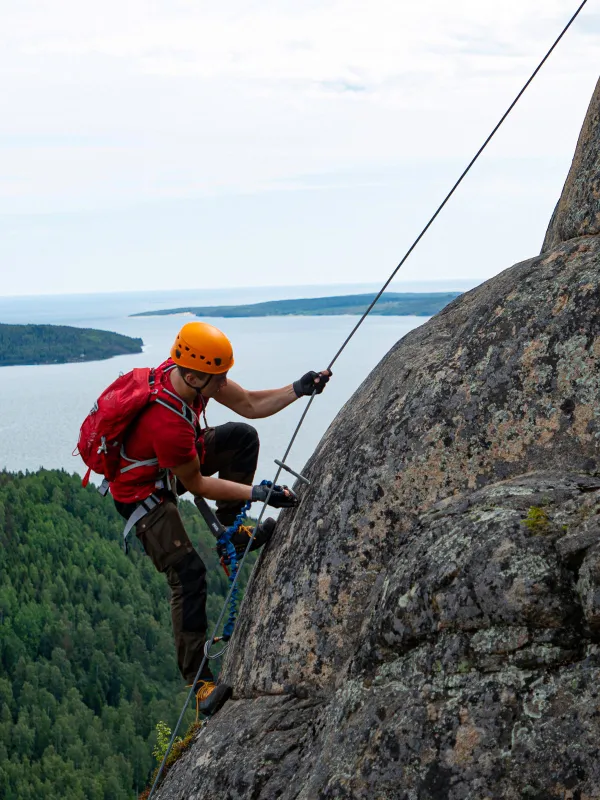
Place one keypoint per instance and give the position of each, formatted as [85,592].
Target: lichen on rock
[427,623]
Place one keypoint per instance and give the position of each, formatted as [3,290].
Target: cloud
[123,104]
[279,42]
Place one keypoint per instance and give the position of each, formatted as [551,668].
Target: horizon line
[472,280]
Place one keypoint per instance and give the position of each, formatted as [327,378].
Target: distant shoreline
[35,345]
[418,304]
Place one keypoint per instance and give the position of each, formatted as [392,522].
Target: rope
[230,558]
[457,184]
[338,354]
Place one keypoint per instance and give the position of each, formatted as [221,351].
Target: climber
[166,451]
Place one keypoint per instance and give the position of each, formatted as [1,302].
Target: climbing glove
[308,384]
[281,496]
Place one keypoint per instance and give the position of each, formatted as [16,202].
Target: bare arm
[211,488]
[255,405]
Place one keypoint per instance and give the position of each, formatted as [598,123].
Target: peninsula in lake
[391,304]
[61,344]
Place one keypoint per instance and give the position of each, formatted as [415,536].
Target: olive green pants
[165,540]
[232,451]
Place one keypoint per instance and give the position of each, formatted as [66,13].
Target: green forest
[60,344]
[87,663]
[418,304]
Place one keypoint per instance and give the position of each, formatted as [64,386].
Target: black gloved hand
[281,496]
[311,382]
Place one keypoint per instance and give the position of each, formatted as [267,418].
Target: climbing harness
[145,507]
[281,464]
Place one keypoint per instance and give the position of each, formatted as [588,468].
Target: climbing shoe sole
[215,700]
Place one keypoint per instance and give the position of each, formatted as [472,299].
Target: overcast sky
[181,144]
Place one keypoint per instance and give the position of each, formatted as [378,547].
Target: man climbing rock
[166,451]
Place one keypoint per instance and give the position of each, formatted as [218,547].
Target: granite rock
[476,674]
[504,381]
[427,623]
[578,210]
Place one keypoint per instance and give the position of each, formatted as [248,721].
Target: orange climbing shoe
[262,535]
[210,697]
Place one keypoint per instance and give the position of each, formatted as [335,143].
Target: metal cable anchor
[301,478]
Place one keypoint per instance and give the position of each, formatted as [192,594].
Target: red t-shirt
[158,432]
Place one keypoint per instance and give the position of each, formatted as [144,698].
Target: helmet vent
[178,353]
[202,357]
[218,362]
[193,355]
[209,363]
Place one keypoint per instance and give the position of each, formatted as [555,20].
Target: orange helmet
[202,347]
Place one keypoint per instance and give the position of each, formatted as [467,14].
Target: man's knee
[240,442]
[240,432]
[232,451]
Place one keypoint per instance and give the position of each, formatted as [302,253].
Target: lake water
[42,407]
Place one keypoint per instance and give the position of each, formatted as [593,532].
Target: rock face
[426,625]
[477,674]
[578,210]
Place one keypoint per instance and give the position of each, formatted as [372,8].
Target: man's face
[208,384]
[217,383]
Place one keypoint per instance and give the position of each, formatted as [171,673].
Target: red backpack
[103,430]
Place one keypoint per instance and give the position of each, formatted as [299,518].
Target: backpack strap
[189,414]
[133,464]
[181,408]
